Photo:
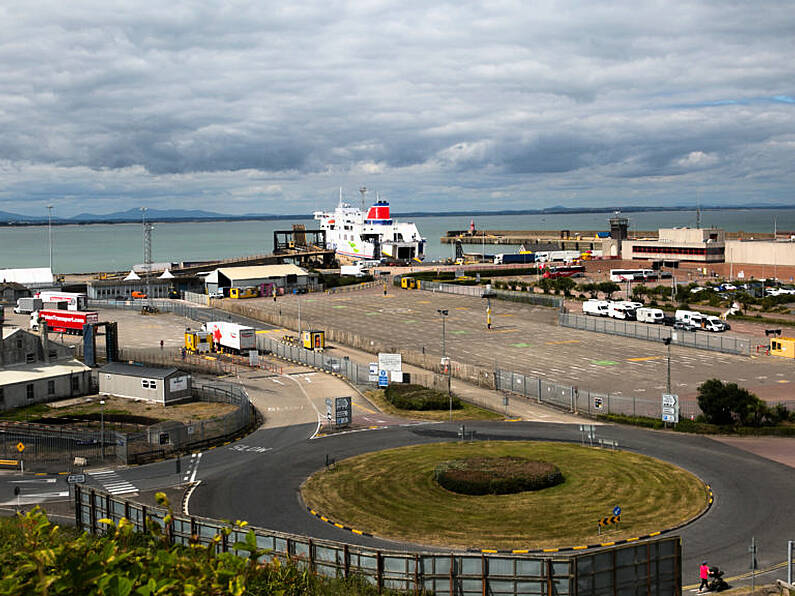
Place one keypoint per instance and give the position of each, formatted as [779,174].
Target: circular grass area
[393,494]
[496,475]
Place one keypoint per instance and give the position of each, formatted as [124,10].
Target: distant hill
[135,214]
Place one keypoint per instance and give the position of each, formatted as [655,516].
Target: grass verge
[393,495]
[466,412]
[702,428]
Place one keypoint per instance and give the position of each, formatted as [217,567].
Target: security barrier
[648,567]
[702,340]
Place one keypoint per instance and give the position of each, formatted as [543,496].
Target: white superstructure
[371,234]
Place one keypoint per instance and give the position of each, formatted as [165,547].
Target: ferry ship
[372,234]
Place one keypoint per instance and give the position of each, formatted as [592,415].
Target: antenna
[363,190]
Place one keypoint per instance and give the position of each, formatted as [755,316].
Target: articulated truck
[231,336]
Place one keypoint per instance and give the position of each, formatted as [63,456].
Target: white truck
[231,336]
[25,306]
[74,301]
[650,315]
[595,308]
[713,323]
[691,317]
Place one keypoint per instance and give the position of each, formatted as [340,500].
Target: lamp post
[667,342]
[49,233]
[102,426]
[444,312]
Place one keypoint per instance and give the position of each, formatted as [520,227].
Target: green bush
[39,558]
[496,475]
[417,397]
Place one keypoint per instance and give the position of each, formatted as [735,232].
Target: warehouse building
[696,245]
[165,386]
[33,278]
[160,287]
[780,252]
[34,370]
[282,279]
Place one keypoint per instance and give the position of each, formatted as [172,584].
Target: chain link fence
[649,567]
[702,340]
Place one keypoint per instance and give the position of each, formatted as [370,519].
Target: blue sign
[616,510]
[383,379]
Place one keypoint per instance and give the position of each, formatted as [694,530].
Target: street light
[445,360]
[102,426]
[667,342]
[488,295]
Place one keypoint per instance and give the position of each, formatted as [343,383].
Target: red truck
[63,321]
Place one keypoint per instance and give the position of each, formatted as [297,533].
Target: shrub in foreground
[38,557]
[496,475]
[417,397]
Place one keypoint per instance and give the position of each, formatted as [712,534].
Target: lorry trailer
[512,258]
[231,336]
[74,301]
[63,321]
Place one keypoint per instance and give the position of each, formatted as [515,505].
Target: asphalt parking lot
[527,339]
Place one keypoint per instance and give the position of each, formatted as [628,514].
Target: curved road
[752,494]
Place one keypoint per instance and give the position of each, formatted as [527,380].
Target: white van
[650,315]
[712,323]
[596,308]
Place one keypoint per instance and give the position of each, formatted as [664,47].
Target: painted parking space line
[339,306]
[782,381]
[643,359]
[459,332]
[563,341]
[461,308]
[521,345]
[423,302]
[604,362]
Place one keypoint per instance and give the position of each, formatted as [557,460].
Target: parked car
[138,294]
[685,326]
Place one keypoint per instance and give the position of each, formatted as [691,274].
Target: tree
[564,284]
[590,288]
[727,403]
[608,288]
[641,290]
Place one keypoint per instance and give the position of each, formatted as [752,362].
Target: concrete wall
[691,235]
[63,386]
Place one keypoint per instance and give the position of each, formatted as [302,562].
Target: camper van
[650,315]
[691,317]
[596,308]
[620,310]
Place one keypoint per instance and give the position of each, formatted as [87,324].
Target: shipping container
[25,306]
[73,300]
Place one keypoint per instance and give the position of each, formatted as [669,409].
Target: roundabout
[396,494]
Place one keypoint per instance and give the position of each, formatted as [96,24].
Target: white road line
[37,481]
[277,381]
[112,482]
[195,468]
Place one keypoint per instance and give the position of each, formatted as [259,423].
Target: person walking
[704,573]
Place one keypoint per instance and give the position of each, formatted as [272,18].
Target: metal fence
[477,292]
[702,340]
[47,444]
[649,567]
[581,401]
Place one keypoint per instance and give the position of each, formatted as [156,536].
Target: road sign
[328,408]
[20,446]
[383,379]
[670,407]
[597,403]
[373,372]
[616,510]
[76,478]
[342,410]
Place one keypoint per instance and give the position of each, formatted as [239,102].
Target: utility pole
[147,234]
[102,427]
[667,342]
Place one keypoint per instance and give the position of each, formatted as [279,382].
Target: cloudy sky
[271,107]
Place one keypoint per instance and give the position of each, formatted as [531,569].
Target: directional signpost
[670,407]
[373,372]
[328,408]
[342,411]
[76,479]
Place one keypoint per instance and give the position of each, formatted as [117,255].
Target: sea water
[117,247]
